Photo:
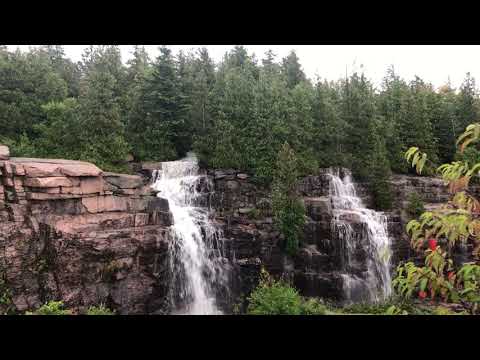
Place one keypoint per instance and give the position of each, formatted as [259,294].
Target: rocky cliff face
[243,209]
[72,232]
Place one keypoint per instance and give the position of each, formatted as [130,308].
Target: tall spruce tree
[292,70]
[161,131]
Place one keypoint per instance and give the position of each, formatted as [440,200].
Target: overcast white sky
[433,63]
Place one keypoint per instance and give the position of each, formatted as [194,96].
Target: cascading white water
[369,238]
[196,259]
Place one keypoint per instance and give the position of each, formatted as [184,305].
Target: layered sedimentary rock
[69,231]
[244,211]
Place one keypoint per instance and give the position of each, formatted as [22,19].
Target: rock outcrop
[244,211]
[70,231]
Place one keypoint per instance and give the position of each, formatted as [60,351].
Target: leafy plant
[415,206]
[435,278]
[51,308]
[272,297]
[99,310]
[457,221]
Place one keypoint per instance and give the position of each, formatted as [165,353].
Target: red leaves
[450,275]
[432,244]
[422,294]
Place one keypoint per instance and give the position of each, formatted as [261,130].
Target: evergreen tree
[467,105]
[328,125]
[27,80]
[102,139]
[292,70]
[445,123]
[160,132]
[288,209]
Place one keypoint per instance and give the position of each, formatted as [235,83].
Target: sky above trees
[433,63]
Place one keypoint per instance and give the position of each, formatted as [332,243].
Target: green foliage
[273,297]
[236,113]
[51,308]
[288,209]
[22,147]
[99,310]
[415,206]
[432,279]
[159,129]
[5,295]
[418,158]
[456,221]
[313,306]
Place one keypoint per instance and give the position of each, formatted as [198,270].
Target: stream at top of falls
[196,261]
[363,238]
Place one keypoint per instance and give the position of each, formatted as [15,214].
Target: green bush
[273,297]
[99,310]
[313,307]
[51,308]
[415,206]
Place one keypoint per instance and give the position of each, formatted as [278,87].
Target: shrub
[99,310]
[415,206]
[313,307]
[273,297]
[51,308]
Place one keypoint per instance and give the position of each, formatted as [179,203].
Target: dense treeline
[237,113]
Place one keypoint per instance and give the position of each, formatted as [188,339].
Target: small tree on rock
[288,209]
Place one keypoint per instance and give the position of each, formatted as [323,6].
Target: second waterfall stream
[197,265]
[364,243]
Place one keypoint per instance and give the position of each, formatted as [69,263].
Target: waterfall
[363,242]
[197,262]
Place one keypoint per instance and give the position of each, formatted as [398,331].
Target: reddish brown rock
[123,181]
[48,182]
[106,203]
[7,181]
[55,190]
[84,169]
[46,196]
[56,167]
[18,169]
[141,219]
[91,185]
[76,190]
[4,152]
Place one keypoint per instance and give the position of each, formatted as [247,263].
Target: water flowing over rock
[194,242]
[362,237]
[197,263]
